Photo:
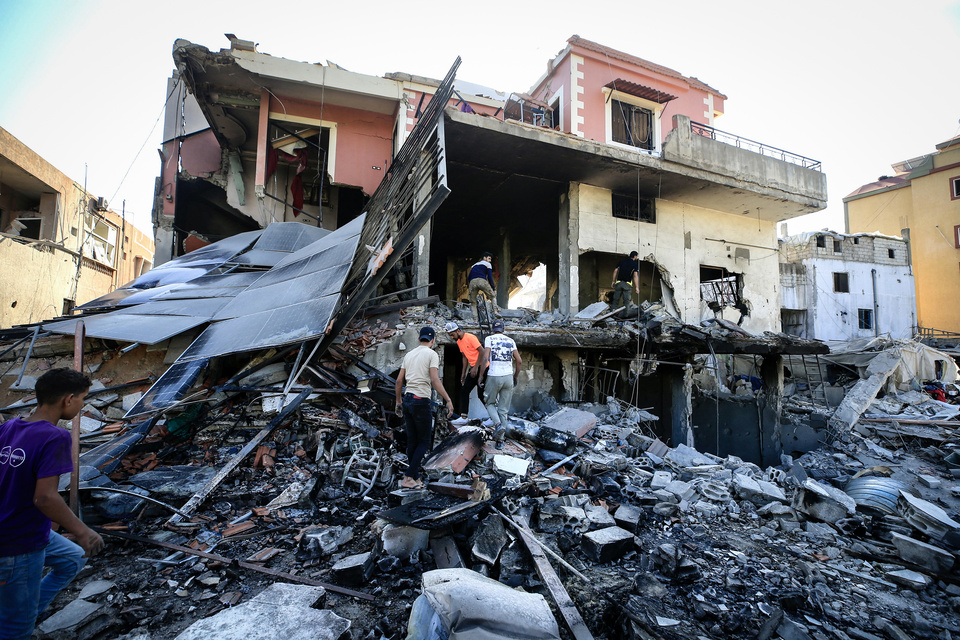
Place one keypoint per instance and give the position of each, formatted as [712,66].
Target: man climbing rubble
[470,349]
[500,353]
[480,278]
[626,273]
[419,372]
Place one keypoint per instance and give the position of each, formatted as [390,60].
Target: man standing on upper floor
[500,352]
[480,278]
[626,273]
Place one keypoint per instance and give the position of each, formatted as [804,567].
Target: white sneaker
[459,422]
[488,423]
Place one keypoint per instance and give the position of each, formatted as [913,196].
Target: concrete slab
[509,464]
[923,554]
[628,516]
[281,611]
[572,421]
[606,545]
[70,616]
[95,588]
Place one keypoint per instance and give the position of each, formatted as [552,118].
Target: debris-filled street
[249,507]
[407,405]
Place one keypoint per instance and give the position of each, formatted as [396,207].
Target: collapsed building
[244,384]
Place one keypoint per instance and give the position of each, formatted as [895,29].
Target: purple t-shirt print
[28,451]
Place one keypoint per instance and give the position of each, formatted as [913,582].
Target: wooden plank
[550,578]
[225,471]
[609,314]
[232,561]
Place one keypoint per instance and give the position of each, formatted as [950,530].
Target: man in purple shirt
[33,454]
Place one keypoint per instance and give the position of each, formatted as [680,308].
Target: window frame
[837,282]
[91,236]
[821,242]
[865,320]
[837,246]
[650,219]
[955,188]
[656,111]
[32,219]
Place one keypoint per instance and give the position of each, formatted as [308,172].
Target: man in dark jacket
[624,275]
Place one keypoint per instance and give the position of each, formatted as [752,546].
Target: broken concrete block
[606,545]
[777,510]
[685,456]
[819,531]
[280,611]
[628,517]
[490,540]
[574,421]
[70,616]
[598,517]
[823,502]
[745,487]
[660,479]
[445,553]
[707,509]
[923,554]
[402,541]
[555,518]
[681,489]
[926,517]
[355,569]
[909,579]
[770,492]
[130,400]
[665,509]
[929,481]
[95,588]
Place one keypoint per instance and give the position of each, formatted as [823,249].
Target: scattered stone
[490,540]
[628,517]
[908,578]
[929,481]
[355,569]
[574,421]
[606,545]
[402,541]
[920,553]
[95,588]
[823,502]
[661,479]
[70,616]
[598,517]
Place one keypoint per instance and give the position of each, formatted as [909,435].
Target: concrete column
[680,381]
[503,284]
[421,260]
[771,404]
[569,276]
[260,176]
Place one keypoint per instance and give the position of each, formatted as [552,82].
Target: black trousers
[418,423]
[469,384]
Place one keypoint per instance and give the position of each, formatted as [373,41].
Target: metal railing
[929,332]
[752,145]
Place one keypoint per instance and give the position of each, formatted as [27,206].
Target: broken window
[556,115]
[31,227]
[865,318]
[99,240]
[631,207]
[719,288]
[841,282]
[632,125]
[837,246]
[821,242]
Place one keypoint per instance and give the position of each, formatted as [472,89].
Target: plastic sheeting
[459,604]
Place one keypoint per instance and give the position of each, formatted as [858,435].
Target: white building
[839,287]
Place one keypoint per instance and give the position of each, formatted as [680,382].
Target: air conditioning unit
[101,204]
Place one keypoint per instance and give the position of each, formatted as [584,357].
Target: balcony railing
[752,145]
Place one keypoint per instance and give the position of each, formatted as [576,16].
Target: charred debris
[659,479]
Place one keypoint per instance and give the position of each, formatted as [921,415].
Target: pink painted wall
[200,154]
[478,108]
[599,71]
[364,139]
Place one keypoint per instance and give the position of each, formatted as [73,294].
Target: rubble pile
[271,489]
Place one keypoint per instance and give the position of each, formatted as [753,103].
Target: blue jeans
[24,595]
[418,420]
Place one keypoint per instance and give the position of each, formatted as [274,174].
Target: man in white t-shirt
[500,352]
[419,372]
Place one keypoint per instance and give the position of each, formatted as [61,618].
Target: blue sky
[857,85]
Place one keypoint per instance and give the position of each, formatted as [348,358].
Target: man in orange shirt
[469,347]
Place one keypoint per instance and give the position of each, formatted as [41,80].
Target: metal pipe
[79,333]
[876,307]
[26,358]
[309,215]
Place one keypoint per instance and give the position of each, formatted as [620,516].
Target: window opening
[837,246]
[100,240]
[865,318]
[632,125]
[891,253]
[556,117]
[31,227]
[856,241]
[821,242]
[719,288]
[631,207]
[841,282]
[955,188]
[533,290]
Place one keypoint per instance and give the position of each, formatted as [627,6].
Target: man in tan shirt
[419,372]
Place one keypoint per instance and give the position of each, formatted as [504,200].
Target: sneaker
[488,423]
[459,422]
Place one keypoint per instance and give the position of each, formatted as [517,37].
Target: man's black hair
[634,254]
[484,254]
[56,383]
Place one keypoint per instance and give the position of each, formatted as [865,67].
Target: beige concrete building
[60,246]
[920,202]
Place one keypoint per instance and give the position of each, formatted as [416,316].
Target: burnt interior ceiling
[202,210]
